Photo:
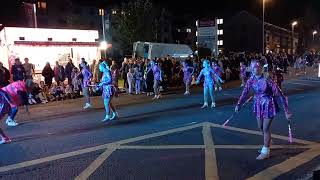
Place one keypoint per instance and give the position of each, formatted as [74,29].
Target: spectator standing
[4,76]
[68,70]
[18,72]
[29,72]
[48,74]
[87,76]
[130,79]
[59,75]
[124,71]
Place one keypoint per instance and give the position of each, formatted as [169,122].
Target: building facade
[243,33]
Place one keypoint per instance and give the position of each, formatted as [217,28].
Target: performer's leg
[205,96]
[211,92]
[106,102]
[265,151]
[11,115]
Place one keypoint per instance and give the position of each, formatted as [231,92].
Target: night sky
[279,12]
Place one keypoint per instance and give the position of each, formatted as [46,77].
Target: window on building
[114,12]
[21,38]
[179,30]
[42,5]
[49,39]
[188,30]
[220,43]
[220,32]
[219,21]
[196,33]
[74,39]
[92,11]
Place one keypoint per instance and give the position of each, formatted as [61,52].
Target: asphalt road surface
[168,139]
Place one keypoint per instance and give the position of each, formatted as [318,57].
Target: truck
[151,50]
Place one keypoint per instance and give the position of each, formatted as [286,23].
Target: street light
[313,34]
[263,36]
[293,24]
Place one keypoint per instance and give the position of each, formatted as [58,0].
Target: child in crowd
[69,92]
[39,95]
[45,90]
[76,83]
[56,92]
[138,76]
[130,79]
[228,74]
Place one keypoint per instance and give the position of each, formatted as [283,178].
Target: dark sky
[279,12]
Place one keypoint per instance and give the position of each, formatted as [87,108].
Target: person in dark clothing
[124,70]
[48,74]
[59,75]
[149,80]
[4,76]
[18,71]
[167,70]
[68,70]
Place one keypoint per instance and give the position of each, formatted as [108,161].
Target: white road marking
[286,166]
[92,149]
[248,131]
[303,84]
[95,165]
[163,147]
[211,168]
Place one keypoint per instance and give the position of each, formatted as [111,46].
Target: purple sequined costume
[187,75]
[209,76]
[265,92]
[243,72]
[87,75]
[156,73]
[107,87]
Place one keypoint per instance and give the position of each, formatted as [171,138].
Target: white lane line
[259,133]
[95,165]
[151,147]
[163,147]
[51,158]
[272,147]
[211,168]
[286,166]
[303,84]
[307,80]
[92,149]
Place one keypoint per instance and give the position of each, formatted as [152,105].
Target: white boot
[11,122]
[87,106]
[265,153]
[114,115]
[204,105]
[107,118]
[213,105]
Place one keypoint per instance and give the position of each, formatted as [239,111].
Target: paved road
[167,139]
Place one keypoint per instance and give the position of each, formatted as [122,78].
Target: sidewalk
[67,108]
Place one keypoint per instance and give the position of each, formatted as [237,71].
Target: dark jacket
[4,77]
[18,72]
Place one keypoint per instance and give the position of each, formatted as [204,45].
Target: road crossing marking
[211,168]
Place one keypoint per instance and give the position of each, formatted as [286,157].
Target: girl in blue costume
[108,91]
[209,80]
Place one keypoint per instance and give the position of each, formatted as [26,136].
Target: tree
[135,22]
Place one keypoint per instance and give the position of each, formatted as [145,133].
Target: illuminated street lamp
[293,24]
[263,36]
[314,33]
[103,45]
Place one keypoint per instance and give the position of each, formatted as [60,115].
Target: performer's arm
[244,94]
[277,92]
[216,75]
[200,76]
